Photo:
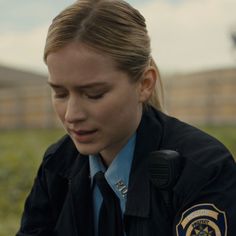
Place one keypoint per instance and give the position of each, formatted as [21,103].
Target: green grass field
[21,154]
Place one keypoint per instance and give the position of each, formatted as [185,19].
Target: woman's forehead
[80,53]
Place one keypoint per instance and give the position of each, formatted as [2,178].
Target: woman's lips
[83,136]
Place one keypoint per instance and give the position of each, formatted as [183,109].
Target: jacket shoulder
[205,160]
[60,156]
[188,140]
[59,144]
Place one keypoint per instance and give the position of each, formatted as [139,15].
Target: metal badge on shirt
[122,188]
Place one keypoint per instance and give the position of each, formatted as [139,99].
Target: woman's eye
[95,96]
[60,95]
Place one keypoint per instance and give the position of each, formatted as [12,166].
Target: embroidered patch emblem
[202,220]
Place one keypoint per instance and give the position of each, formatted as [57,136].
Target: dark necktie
[110,219]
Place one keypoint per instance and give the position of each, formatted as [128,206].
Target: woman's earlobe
[148,83]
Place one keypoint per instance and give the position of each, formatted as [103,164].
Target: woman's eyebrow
[81,87]
[54,85]
[92,85]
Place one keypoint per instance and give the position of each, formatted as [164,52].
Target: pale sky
[186,35]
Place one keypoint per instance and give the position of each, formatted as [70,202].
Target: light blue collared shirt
[117,176]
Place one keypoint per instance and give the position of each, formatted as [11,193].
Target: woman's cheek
[60,109]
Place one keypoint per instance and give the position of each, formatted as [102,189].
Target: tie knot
[99,176]
[102,184]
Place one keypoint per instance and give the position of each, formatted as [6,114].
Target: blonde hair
[111,26]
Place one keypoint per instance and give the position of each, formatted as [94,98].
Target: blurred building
[24,100]
[198,98]
[206,97]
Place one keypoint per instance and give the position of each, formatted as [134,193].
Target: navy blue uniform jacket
[203,199]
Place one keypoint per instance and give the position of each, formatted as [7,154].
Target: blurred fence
[204,97]
[198,98]
[26,107]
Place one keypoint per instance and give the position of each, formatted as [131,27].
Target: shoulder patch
[202,220]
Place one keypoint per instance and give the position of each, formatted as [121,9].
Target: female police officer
[124,168]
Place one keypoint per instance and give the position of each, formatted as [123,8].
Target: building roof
[11,77]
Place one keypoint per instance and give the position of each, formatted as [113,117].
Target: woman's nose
[74,110]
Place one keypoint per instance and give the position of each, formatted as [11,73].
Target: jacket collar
[149,135]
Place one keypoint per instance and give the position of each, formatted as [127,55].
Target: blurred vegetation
[226,134]
[21,154]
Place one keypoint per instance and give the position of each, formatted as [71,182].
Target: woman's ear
[147,84]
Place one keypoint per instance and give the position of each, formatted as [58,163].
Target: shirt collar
[117,174]
[95,165]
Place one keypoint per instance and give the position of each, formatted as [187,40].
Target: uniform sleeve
[37,216]
[205,195]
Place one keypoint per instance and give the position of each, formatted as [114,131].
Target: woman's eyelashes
[89,95]
[60,94]
[95,96]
